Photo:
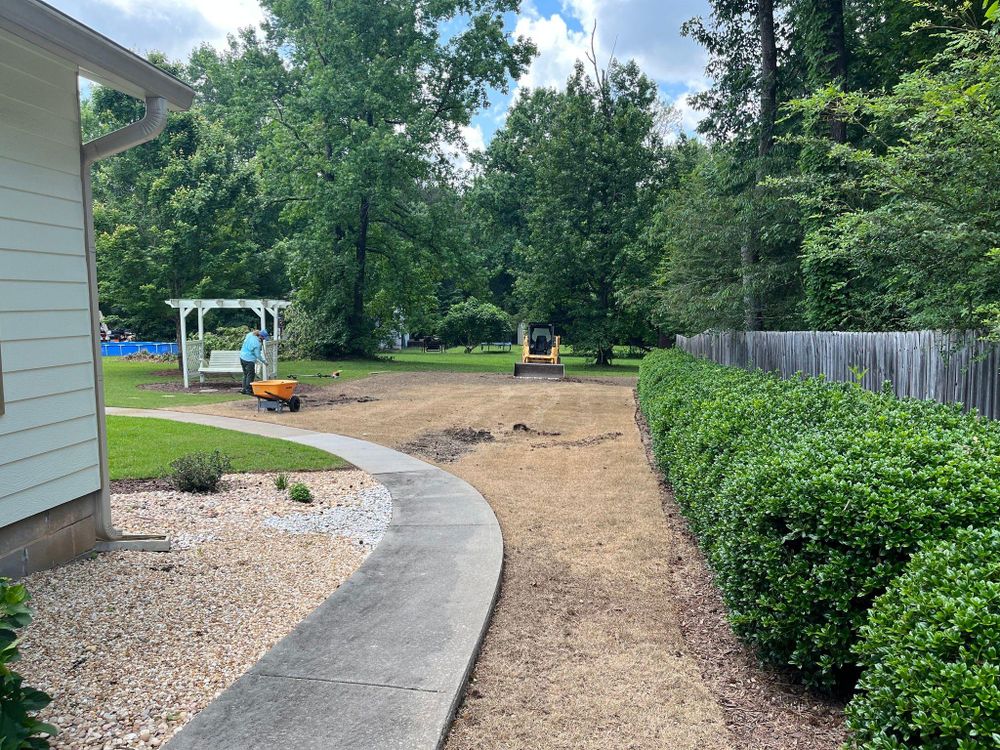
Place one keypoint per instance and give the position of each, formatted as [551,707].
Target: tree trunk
[768,76]
[360,264]
[750,251]
[837,60]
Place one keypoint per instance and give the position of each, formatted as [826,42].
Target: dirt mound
[521,427]
[447,445]
[580,442]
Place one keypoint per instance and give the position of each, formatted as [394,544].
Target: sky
[646,30]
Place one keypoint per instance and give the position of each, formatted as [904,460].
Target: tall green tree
[364,100]
[498,200]
[177,217]
[596,183]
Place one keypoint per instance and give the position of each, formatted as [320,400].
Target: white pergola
[262,307]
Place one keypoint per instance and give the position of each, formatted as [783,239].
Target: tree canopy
[842,178]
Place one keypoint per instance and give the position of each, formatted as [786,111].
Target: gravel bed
[362,517]
[132,644]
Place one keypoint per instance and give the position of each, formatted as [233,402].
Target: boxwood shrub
[810,497]
[931,649]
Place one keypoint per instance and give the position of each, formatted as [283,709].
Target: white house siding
[48,433]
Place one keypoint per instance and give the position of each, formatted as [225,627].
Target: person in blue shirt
[250,354]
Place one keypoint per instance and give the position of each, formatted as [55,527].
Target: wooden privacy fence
[948,367]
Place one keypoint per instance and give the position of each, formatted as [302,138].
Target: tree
[176,217]
[914,242]
[498,201]
[363,100]
[598,176]
[473,322]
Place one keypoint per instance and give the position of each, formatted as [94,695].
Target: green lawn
[142,448]
[122,377]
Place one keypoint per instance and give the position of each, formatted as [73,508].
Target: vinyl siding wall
[48,433]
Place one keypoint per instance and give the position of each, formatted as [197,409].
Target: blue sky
[647,30]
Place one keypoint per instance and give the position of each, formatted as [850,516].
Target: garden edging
[383,662]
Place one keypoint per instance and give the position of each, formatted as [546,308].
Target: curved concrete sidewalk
[383,662]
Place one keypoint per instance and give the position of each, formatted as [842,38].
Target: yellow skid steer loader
[540,354]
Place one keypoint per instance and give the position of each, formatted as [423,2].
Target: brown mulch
[765,708]
[130,486]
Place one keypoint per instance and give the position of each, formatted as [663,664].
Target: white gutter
[137,133]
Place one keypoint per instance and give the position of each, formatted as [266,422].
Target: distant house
[53,463]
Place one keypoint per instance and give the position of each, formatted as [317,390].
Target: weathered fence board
[944,366]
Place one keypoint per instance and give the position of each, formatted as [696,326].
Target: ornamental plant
[931,652]
[809,497]
[300,493]
[19,727]
[200,471]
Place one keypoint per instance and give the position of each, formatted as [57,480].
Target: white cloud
[647,31]
[559,48]
[473,136]
[688,116]
[174,27]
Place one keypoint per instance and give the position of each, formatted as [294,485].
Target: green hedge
[931,649]
[809,498]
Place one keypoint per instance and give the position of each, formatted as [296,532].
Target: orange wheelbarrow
[275,395]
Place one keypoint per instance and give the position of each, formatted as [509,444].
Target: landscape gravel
[362,517]
[132,644]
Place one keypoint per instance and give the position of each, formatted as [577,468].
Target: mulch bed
[765,708]
[129,486]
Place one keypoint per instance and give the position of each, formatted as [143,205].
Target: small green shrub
[199,472]
[300,493]
[931,649]
[809,498]
[281,482]
[19,729]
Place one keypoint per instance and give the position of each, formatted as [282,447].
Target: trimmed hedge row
[931,651]
[809,498]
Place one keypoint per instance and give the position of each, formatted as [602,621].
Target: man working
[250,354]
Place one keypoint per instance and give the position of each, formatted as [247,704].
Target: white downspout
[141,131]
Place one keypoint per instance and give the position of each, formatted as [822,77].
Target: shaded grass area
[122,378]
[141,448]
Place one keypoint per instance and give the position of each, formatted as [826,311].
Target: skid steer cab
[540,354]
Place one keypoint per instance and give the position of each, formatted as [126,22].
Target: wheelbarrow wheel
[294,404]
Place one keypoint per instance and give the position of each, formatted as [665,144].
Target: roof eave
[97,57]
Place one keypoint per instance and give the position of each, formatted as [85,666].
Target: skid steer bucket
[539,370]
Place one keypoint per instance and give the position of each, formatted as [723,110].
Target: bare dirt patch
[325,398]
[447,445]
[132,644]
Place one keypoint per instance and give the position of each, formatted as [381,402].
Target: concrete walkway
[383,662]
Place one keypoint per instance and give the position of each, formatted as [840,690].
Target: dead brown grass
[586,648]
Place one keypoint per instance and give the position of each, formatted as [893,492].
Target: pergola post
[201,338]
[184,345]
